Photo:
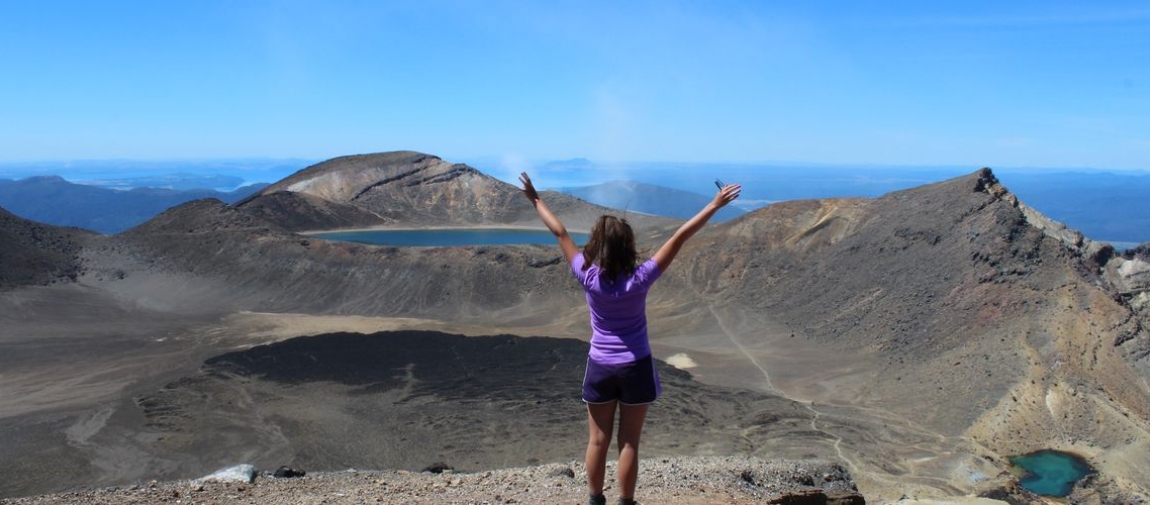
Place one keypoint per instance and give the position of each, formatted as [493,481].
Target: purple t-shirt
[618,311]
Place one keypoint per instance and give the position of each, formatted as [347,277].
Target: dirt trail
[888,453]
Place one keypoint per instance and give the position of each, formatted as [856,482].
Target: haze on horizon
[1020,84]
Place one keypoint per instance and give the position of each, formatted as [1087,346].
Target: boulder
[239,473]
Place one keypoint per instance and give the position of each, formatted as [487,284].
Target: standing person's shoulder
[577,267]
[577,262]
[647,272]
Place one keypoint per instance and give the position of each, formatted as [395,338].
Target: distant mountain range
[1107,206]
[176,181]
[317,197]
[53,200]
[135,173]
[649,199]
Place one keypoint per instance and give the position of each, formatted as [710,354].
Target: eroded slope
[989,326]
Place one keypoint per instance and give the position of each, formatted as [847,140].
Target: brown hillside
[407,188]
[989,324]
[240,261]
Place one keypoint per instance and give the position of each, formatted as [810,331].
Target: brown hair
[612,247]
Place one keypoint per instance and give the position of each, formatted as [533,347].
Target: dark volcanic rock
[201,217]
[1141,252]
[287,472]
[437,467]
[400,399]
[34,253]
[302,212]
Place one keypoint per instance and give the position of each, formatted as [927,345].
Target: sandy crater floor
[73,391]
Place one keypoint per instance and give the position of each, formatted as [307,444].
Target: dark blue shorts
[634,383]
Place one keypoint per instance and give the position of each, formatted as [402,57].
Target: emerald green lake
[449,237]
[1051,473]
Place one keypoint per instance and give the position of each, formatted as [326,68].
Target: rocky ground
[726,480]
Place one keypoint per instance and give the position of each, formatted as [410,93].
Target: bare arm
[666,254]
[566,243]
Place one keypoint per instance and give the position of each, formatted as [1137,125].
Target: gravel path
[702,480]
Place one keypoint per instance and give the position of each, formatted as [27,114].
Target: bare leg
[600,424]
[631,418]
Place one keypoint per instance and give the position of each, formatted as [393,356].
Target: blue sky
[1048,84]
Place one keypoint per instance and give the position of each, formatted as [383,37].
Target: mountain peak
[405,188]
[44,179]
[986,182]
[345,178]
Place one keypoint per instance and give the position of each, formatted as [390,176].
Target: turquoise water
[1051,473]
[449,237]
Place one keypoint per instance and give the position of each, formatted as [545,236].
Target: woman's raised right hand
[528,187]
[727,195]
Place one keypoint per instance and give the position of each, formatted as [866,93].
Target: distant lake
[454,237]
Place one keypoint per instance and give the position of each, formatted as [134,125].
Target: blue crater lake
[1051,473]
[451,237]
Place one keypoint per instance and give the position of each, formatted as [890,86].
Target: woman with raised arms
[620,374]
